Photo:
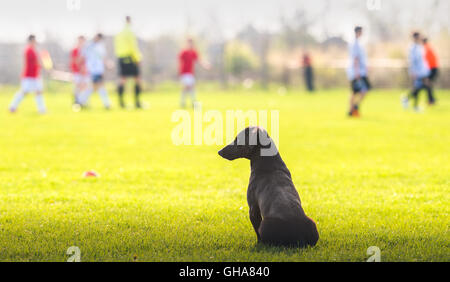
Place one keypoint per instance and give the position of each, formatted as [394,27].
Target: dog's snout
[228,152]
[224,152]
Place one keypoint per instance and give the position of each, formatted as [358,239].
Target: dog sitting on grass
[275,208]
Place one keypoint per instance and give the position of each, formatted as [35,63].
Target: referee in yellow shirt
[127,51]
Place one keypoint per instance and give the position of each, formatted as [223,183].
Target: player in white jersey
[357,73]
[94,54]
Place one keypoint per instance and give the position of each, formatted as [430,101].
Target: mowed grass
[380,180]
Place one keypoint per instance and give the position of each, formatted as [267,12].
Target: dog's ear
[251,143]
[247,142]
[252,135]
[266,146]
[252,139]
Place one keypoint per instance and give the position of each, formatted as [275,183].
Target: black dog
[275,209]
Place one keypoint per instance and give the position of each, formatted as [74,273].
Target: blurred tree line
[264,56]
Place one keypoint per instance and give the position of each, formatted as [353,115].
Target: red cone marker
[90,173]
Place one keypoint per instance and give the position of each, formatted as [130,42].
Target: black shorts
[97,78]
[360,85]
[127,67]
[433,74]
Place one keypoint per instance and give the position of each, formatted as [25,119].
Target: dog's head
[251,142]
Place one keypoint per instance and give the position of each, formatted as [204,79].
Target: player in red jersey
[31,80]
[187,59]
[79,73]
[433,64]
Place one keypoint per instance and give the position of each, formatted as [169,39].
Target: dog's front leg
[255,218]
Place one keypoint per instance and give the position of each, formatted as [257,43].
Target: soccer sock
[183,98]
[84,96]
[16,100]
[193,96]
[40,103]
[430,95]
[104,96]
[137,92]
[415,96]
[352,107]
[120,90]
[76,94]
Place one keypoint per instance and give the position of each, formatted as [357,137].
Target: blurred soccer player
[357,73]
[31,80]
[433,65]
[78,68]
[95,54]
[308,72]
[129,56]
[418,70]
[187,59]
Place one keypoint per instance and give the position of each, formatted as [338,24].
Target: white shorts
[80,78]
[30,84]
[187,79]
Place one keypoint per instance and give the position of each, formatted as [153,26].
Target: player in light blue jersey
[357,73]
[95,54]
[418,71]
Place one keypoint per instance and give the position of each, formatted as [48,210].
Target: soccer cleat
[12,110]
[355,113]
[418,109]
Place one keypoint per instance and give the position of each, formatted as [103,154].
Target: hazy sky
[151,18]
[20,17]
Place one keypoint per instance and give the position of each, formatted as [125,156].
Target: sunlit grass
[380,180]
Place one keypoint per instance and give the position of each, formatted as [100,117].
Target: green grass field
[381,180]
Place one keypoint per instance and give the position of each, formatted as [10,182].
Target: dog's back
[284,221]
